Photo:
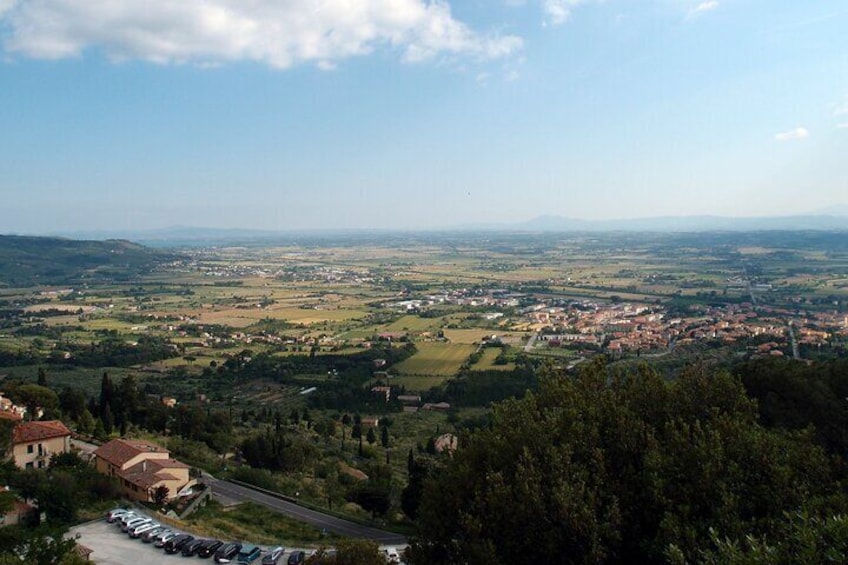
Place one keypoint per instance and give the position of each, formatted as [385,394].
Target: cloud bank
[279,33]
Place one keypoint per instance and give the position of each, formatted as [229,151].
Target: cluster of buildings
[488,298]
[146,471]
[644,328]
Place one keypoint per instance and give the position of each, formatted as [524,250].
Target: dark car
[190,549]
[297,557]
[227,553]
[273,556]
[209,547]
[176,543]
[248,553]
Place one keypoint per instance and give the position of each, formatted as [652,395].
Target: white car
[139,530]
[116,514]
[134,523]
[124,518]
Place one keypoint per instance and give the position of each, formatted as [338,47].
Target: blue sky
[292,114]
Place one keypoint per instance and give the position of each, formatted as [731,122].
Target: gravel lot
[113,547]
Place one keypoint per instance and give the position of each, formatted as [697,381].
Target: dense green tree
[37,546]
[72,403]
[36,396]
[350,552]
[618,468]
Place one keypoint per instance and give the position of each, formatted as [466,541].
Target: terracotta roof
[9,415]
[148,473]
[35,431]
[119,451]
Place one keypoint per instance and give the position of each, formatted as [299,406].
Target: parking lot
[113,547]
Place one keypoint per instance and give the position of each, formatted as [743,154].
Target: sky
[411,114]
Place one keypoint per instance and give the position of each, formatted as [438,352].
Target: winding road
[226,491]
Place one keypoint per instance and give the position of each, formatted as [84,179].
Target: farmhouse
[34,442]
[143,468]
[382,392]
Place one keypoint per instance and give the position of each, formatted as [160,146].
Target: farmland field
[436,359]
[487,361]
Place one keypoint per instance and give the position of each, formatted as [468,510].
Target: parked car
[151,535]
[115,514]
[190,549]
[297,557]
[176,543]
[129,517]
[126,517]
[209,547]
[227,553]
[134,523]
[162,540]
[138,531]
[248,553]
[273,555]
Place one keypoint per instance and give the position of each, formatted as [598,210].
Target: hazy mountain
[689,224]
[834,218]
[27,260]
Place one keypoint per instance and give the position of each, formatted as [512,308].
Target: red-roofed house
[34,442]
[142,468]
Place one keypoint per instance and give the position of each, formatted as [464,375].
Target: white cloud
[279,33]
[841,109]
[706,6]
[842,126]
[793,134]
[558,11]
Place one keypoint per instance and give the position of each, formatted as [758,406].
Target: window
[30,448]
[29,465]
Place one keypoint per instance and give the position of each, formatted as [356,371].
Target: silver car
[139,530]
[134,523]
[116,514]
[151,535]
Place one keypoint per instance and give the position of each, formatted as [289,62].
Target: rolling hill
[29,261]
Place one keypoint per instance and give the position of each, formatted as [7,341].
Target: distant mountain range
[689,224]
[834,218]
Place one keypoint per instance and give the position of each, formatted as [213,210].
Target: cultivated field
[436,359]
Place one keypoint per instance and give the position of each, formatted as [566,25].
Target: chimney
[144,466]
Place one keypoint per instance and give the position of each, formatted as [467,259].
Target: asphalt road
[227,491]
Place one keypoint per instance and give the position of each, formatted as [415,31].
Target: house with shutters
[142,468]
[33,443]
